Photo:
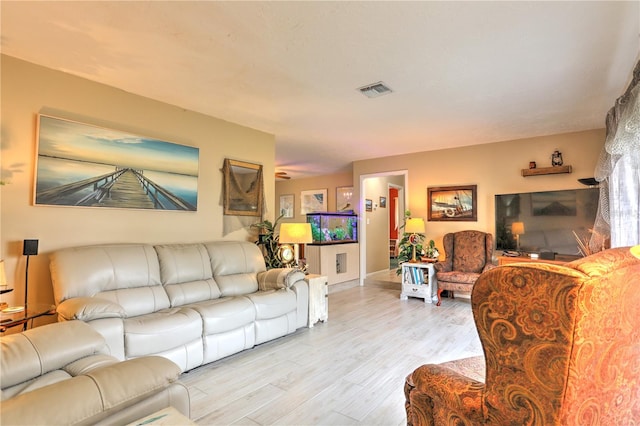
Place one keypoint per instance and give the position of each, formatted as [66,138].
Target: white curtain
[618,172]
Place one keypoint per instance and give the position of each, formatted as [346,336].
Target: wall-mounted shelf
[546,171]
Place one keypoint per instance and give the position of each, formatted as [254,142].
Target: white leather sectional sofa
[62,374]
[191,303]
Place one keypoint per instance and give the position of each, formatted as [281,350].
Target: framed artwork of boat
[89,166]
[452,203]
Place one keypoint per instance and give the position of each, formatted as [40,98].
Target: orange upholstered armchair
[561,345]
[467,255]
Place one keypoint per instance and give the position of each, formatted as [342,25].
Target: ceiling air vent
[374,90]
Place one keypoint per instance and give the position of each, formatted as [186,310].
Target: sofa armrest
[437,394]
[278,278]
[43,349]
[443,266]
[89,398]
[89,308]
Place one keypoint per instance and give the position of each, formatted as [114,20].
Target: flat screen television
[549,218]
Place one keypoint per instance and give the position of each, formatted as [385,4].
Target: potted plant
[269,242]
[431,252]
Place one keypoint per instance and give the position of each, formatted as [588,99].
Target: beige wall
[495,168]
[28,90]
[295,186]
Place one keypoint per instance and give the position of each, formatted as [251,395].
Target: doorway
[375,224]
[396,215]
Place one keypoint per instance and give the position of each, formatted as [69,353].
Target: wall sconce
[295,233]
[414,226]
[517,229]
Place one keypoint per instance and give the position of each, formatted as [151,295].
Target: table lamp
[4,287]
[414,226]
[517,229]
[295,233]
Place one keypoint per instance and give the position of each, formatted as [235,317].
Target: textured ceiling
[463,73]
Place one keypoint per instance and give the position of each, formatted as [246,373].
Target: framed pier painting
[89,166]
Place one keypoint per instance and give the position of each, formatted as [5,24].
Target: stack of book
[414,276]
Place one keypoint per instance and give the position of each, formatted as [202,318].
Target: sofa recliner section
[62,373]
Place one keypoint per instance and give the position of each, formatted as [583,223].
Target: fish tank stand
[338,262]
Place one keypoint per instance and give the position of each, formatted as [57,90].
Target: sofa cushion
[235,265]
[222,315]
[160,331]
[137,301]
[87,271]
[273,303]
[458,277]
[469,251]
[185,271]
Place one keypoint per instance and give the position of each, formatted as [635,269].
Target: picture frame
[368,205]
[287,205]
[554,203]
[83,165]
[383,202]
[344,195]
[243,188]
[452,203]
[313,201]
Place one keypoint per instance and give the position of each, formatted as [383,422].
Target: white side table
[419,280]
[318,298]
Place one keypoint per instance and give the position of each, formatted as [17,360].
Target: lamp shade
[414,226]
[517,228]
[295,233]
[3,276]
[635,250]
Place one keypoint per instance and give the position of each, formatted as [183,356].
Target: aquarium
[333,228]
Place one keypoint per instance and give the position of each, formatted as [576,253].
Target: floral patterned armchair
[467,255]
[561,346]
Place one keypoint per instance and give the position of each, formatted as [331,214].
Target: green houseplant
[431,251]
[269,242]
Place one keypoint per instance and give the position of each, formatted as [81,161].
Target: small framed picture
[313,201]
[286,206]
[368,204]
[383,202]
[343,198]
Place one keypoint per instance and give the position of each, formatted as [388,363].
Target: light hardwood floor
[349,370]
